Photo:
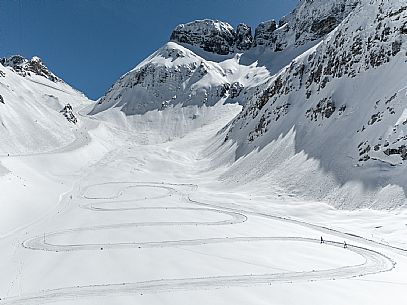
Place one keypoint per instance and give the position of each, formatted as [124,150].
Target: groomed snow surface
[133,217]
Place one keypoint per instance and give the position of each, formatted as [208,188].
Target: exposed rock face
[324,26]
[401,151]
[67,112]
[244,38]
[25,67]
[210,35]
[235,89]
[264,33]
[310,21]
[214,36]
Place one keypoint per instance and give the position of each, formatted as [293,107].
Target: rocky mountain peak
[319,17]
[25,67]
[310,21]
[214,36]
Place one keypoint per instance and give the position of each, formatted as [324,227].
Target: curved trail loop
[131,185]
[39,242]
[374,262]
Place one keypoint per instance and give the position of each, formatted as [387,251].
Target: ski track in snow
[375,262]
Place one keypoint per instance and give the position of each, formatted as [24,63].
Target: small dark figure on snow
[345,245]
[322,240]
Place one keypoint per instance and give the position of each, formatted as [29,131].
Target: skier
[322,240]
[345,245]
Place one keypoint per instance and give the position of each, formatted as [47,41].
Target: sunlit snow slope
[35,115]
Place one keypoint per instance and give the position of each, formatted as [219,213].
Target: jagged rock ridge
[31,100]
[25,67]
[310,21]
[214,36]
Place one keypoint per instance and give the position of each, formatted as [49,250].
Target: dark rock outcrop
[401,151]
[67,111]
[235,90]
[324,26]
[310,21]
[214,36]
[210,35]
[244,37]
[264,33]
[25,67]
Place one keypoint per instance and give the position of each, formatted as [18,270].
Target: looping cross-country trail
[373,261]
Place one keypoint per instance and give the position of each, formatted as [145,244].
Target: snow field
[152,221]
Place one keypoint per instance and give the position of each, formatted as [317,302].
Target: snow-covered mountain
[172,75]
[343,104]
[329,77]
[25,67]
[214,36]
[37,108]
[208,60]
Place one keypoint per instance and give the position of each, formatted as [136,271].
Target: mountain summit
[214,36]
[25,67]
[36,107]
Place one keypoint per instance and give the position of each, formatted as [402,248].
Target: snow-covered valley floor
[112,219]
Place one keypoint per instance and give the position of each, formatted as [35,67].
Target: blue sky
[90,43]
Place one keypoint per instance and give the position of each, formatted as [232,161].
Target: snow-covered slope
[37,109]
[341,109]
